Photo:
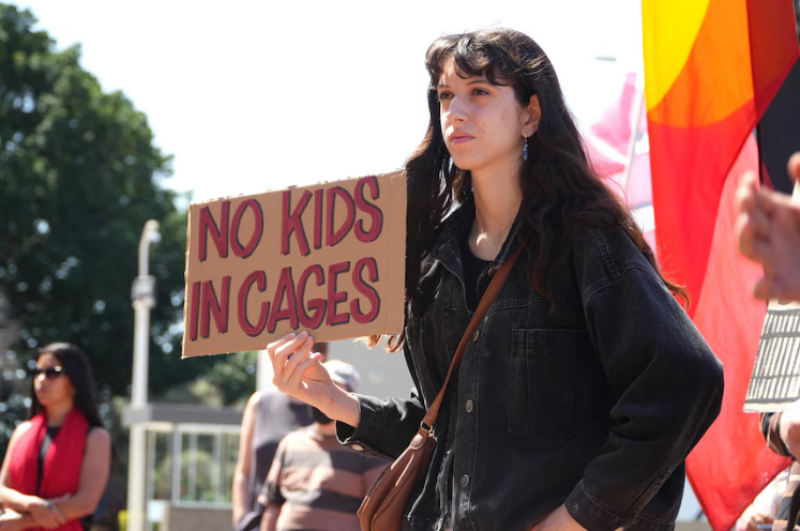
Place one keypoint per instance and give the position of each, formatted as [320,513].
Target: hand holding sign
[299,373]
[291,359]
[328,258]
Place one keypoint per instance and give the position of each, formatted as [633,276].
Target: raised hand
[768,230]
[298,372]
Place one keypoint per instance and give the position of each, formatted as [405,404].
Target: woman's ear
[532,115]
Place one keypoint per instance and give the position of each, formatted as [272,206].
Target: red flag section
[732,463]
[711,68]
[701,112]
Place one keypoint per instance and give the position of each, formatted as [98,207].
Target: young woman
[57,464]
[586,385]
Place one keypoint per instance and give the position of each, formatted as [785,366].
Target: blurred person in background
[48,480]
[766,508]
[269,416]
[315,483]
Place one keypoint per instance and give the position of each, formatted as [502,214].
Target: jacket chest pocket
[543,379]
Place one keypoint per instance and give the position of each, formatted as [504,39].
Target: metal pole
[136,473]
[141,347]
[177,451]
[632,145]
[193,466]
[143,302]
[151,466]
[216,467]
[143,295]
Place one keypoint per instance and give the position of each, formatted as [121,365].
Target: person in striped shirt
[315,483]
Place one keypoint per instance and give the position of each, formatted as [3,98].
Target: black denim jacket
[593,402]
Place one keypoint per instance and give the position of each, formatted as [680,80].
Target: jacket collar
[456,227]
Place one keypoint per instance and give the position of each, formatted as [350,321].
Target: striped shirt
[318,483]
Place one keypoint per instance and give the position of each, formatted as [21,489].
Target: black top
[52,431]
[473,267]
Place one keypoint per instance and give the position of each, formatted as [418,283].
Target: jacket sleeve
[770,426]
[668,386]
[386,426]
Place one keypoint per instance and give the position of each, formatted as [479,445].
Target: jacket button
[357,447]
[468,406]
[491,271]
[464,481]
[476,335]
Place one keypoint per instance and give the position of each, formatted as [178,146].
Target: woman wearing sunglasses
[47,480]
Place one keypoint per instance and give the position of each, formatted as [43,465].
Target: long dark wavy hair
[79,371]
[560,190]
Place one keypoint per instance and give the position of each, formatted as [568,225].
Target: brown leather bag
[385,503]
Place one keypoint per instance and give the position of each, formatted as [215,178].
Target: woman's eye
[444,96]
[480,92]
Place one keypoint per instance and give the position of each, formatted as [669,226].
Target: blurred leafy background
[80,174]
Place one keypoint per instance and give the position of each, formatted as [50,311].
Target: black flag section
[778,132]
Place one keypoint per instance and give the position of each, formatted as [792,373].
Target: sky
[257,96]
[253,96]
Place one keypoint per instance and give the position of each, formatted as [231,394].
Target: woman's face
[483,124]
[50,383]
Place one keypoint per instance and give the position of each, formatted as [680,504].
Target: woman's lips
[461,139]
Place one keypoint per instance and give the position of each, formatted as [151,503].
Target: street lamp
[144,300]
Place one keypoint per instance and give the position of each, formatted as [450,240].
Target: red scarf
[62,462]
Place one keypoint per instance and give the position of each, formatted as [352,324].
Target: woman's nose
[457,111]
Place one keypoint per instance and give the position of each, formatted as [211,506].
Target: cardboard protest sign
[775,382]
[328,258]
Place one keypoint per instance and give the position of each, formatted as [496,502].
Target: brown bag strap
[483,306]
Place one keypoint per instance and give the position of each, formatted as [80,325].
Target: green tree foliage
[230,381]
[79,177]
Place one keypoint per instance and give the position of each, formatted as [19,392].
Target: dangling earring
[525,148]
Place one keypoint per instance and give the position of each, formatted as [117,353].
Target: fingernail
[303,334]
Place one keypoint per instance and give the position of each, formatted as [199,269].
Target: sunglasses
[50,373]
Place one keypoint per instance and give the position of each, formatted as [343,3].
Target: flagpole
[632,145]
